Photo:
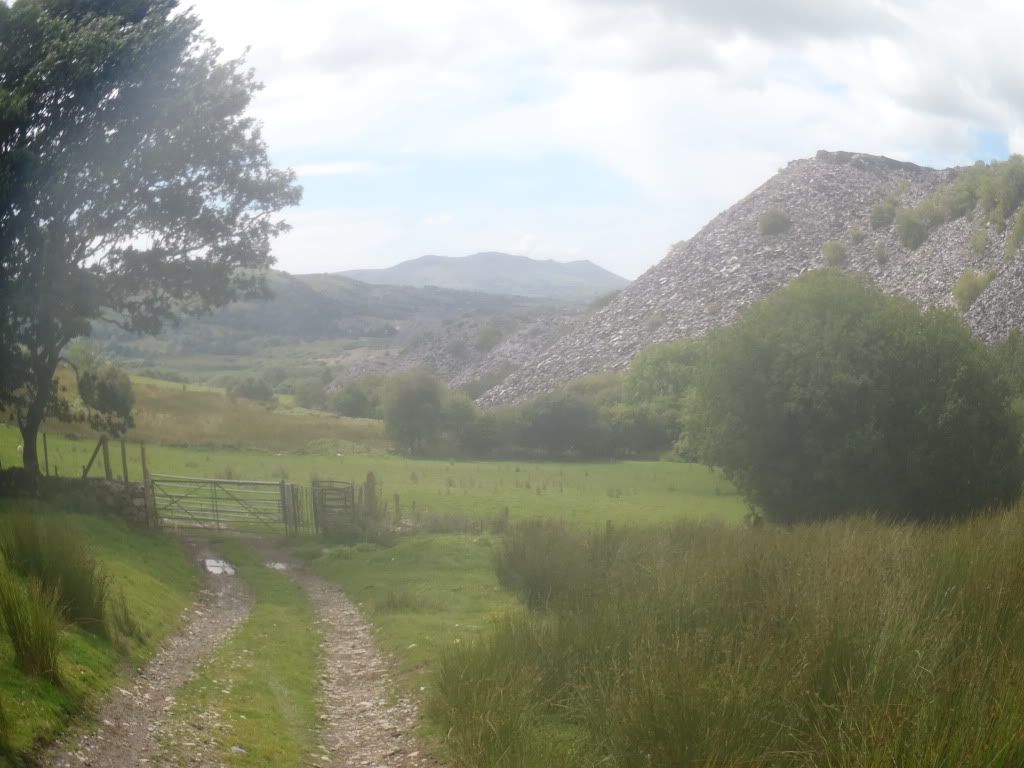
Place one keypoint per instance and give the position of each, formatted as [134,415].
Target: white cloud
[692,103]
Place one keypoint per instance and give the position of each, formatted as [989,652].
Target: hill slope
[500,273]
[706,281]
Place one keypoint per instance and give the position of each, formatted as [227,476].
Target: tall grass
[852,644]
[63,564]
[30,615]
[5,732]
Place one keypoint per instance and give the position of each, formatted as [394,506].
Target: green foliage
[1016,238]
[251,388]
[883,214]
[857,235]
[911,228]
[5,733]
[854,644]
[774,221]
[107,392]
[413,416]
[62,564]
[31,615]
[488,338]
[1009,354]
[830,381]
[835,253]
[979,241]
[970,286]
[133,186]
[881,254]
[998,188]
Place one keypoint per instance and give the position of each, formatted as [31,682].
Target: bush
[251,388]
[31,617]
[108,392]
[413,411]
[835,253]
[979,241]
[970,286]
[1016,238]
[883,214]
[774,221]
[829,383]
[881,254]
[857,235]
[61,563]
[911,229]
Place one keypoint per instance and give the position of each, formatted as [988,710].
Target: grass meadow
[585,494]
[149,581]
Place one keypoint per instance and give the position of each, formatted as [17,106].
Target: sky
[598,129]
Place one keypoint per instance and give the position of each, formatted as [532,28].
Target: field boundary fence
[246,505]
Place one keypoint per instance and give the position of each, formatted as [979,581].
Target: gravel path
[360,727]
[135,719]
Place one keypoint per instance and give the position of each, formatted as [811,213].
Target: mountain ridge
[495,272]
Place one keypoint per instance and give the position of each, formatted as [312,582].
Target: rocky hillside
[574,281]
[736,259]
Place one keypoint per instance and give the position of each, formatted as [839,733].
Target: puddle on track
[219,567]
[278,566]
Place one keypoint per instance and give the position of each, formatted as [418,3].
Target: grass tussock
[851,644]
[63,564]
[5,733]
[30,615]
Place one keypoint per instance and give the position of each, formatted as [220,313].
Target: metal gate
[248,505]
[333,503]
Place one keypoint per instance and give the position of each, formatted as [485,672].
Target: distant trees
[413,415]
[830,397]
[251,388]
[133,187]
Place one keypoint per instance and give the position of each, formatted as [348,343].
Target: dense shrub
[61,563]
[857,235]
[970,286]
[883,214]
[1016,238]
[774,221]
[30,615]
[107,391]
[413,411]
[911,228]
[979,241]
[853,644]
[251,388]
[830,397]
[881,254]
[835,253]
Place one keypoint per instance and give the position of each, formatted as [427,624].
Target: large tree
[830,397]
[134,188]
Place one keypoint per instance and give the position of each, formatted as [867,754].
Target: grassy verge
[445,492]
[157,582]
[423,594]
[262,682]
[850,644]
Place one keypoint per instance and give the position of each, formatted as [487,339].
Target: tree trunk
[29,438]
[44,371]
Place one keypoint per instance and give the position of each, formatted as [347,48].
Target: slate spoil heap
[704,282]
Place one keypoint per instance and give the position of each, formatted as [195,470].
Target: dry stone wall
[706,281]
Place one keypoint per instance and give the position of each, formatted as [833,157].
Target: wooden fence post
[107,471]
[46,456]
[124,462]
[95,452]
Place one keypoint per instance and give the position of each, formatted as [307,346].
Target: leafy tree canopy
[830,398]
[134,189]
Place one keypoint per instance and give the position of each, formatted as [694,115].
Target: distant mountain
[916,231]
[492,272]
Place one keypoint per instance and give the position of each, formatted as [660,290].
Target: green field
[158,581]
[584,494]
